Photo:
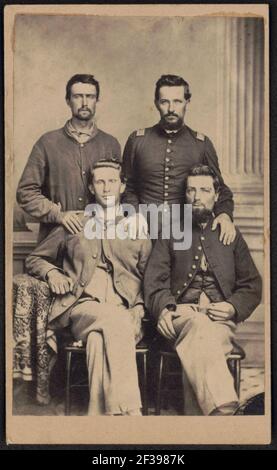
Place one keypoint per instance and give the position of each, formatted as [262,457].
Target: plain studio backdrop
[221,58]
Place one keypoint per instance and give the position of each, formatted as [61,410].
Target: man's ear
[91,188]
[216,196]
[122,188]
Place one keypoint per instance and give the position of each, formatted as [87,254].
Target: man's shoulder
[52,135]
[196,135]
[142,132]
[106,136]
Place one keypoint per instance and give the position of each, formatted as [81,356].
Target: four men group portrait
[105,271]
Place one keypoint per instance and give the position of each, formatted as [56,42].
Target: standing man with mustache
[157,159]
[54,184]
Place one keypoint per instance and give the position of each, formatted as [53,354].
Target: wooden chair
[167,355]
[76,355]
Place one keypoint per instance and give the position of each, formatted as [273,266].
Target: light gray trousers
[108,331]
[202,346]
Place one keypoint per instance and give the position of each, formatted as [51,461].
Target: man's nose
[85,101]
[197,196]
[171,107]
[107,188]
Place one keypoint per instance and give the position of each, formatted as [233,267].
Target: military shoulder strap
[200,136]
[140,132]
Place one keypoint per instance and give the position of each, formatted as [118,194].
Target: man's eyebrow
[84,94]
[201,187]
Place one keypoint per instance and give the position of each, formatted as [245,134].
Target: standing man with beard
[157,159]
[54,184]
[197,297]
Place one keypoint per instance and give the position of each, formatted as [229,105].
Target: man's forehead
[107,172]
[172,92]
[200,180]
[83,88]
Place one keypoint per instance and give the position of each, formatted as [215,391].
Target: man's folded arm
[130,194]
[225,203]
[248,290]
[46,255]
[144,254]
[29,192]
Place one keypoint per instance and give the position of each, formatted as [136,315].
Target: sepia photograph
[137,224]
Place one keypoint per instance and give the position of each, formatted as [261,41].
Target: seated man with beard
[197,297]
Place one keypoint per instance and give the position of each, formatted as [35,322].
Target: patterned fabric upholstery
[35,347]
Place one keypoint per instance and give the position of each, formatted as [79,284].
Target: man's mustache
[171,114]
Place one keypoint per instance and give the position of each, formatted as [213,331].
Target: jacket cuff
[239,316]
[46,271]
[170,301]
[223,210]
[54,216]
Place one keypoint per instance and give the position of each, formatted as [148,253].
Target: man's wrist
[171,307]
[59,217]
[232,310]
[224,215]
[166,309]
[51,271]
[227,215]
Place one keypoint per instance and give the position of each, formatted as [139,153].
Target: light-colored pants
[202,346]
[109,335]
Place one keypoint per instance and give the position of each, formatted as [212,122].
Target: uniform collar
[171,134]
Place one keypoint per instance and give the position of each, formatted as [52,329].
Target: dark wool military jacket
[169,273]
[55,177]
[156,165]
[77,257]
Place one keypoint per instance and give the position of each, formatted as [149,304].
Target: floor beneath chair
[252,383]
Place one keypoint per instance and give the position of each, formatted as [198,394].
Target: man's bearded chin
[201,215]
[171,126]
[84,117]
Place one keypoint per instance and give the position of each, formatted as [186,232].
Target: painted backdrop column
[240,131]
[240,126]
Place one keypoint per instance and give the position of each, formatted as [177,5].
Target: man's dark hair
[107,163]
[204,170]
[82,78]
[172,80]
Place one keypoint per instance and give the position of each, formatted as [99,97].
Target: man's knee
[202,331]
[210,335]
[94,341]
[118,322]
[201,324]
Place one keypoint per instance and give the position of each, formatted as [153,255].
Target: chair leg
[166,382]
[159,388]
[68,380]
[237,370]
[144,386]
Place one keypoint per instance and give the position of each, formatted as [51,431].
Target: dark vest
[204,281]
